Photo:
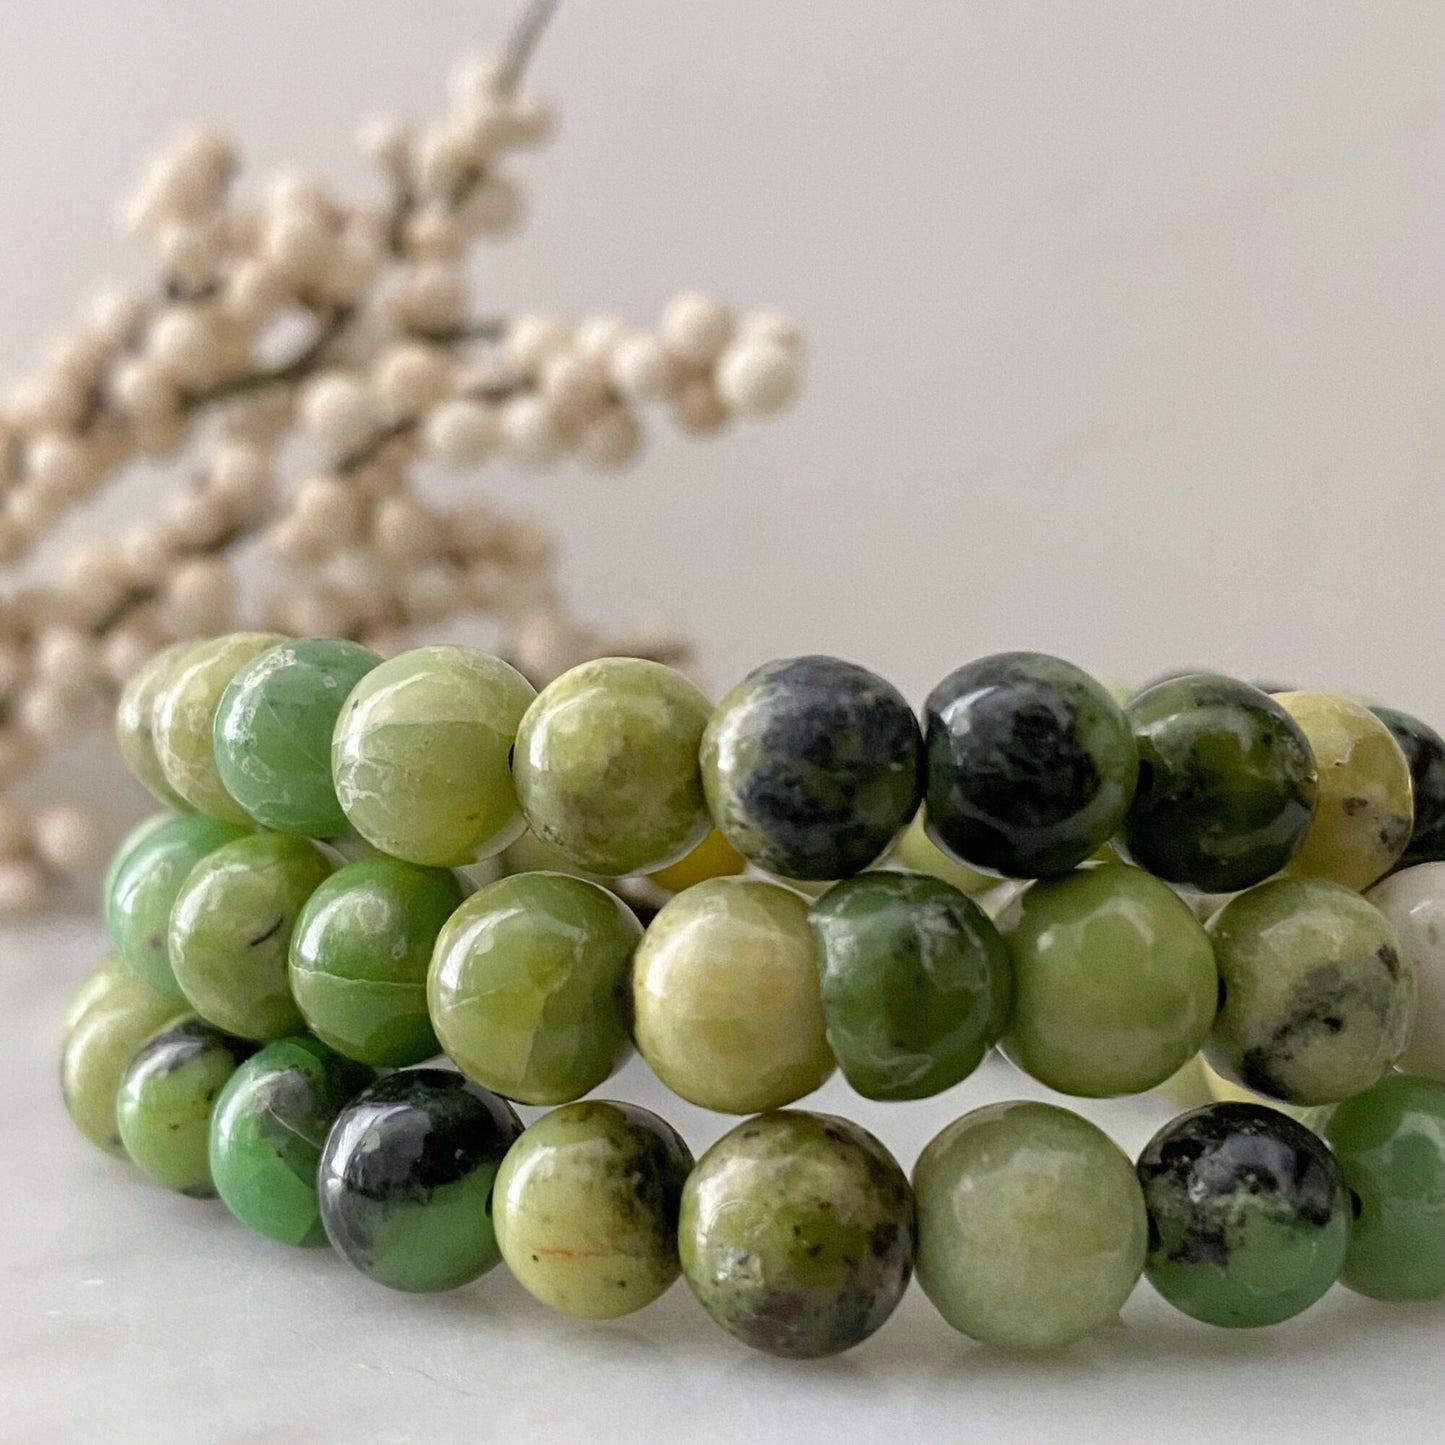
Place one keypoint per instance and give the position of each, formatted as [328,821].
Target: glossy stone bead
[166,1097]
[273,728]
[1390,1144]
[1364,815]
[916,852]
[268,1130]
[528,986]
[812,767]
[1114,982]
[796,1233]
[230,932]
[151,866]
[726,1003]
[1031,1227]
[183,723]
[1249,1215]
[1227,783]
[1413,900]
[1030,764]
[606,765]
[916,983]
[420,755]
[1317,998]
[359,957]
[135,722]
[95,986]
[405,1180]
[1424,751]
[586,1205]
[714,857]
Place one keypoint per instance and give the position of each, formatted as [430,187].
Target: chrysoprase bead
[405,1180]
[135,722]
[1317,998]
[1390,1144]
[359,957]
[183,722]
[95,986]
[714,857]
[916,983]
[796,1233]
[606,765]
[1114,981]
[1031,1226]
[153,864]
[420,755]
[585,1208]
[528,986]
[727,1008]
[273,730]
[812,767]
[165,1101]
[1424,751]
[1413,900]
[527,853]
[1249,1216]
[1227,783]
[230,932]
[916,852]
[1030,764]
[1364,814]
[268,1130]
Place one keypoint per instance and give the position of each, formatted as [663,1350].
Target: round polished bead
[1030,764]
[586,1205]
[1227,783]
[99,984]
[273,733]
[1424,751]
[268,1130]
[359,957]
[796,1233]
[1249,1216]
[726,1003]
[165,1101]
[230,932]
[528,986]
[606,765]
[812,766]
[1390,1145]
[135,717]
[1364,814]
[1413,900]
[420,755]
[916,852]
[1031,1227]
[1114,982]
[406,1178]
[714,857]
[916,983]
[1317,997]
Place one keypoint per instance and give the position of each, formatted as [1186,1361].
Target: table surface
[133,1315]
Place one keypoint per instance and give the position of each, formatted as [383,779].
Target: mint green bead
[1115,984]
[230,932]
[273,730]
[359,958]
[135,721]
[528,986]
[95,986]
[1031,1225]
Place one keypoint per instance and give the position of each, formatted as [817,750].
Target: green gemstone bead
[1318,996]
[273,730]
[1390,1144]
[95,986]
[916,983]
[230,932]
[1424,751]
[135,722]
[528,986]
[420,756]
[267,1134]
[1249,1216]
[165,1101]
[1031,1225]
[1413,899]
[796,1233]
[359,958]
[916,852]
[1114,982]
[586,1205]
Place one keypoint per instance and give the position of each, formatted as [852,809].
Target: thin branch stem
[523,43]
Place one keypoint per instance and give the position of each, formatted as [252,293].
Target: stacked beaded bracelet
[1030,869]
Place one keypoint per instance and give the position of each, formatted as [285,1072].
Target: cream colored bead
[432,296]
[434,233]
[67,837]
[353,268]
[461,432]
[572,384]
[340,410]
[190,254]
[431,592]
[408,378]
[328,508]
[50,401]
[474,82]
[61,463]
[65,659]
[757,378]
[599,336]
[767,324]
[292,543]
[530,435]
[610,439]
[79,356]
[195,517]
[317,612]
[125,649]
[142,389]
[33,510]
[241,477]
[531,121]
[494,207]
[386,142]
[161,436]
[698,407]
[403,530]
[531,339]
[14,830]
[18,750]
[185,343]
[297,241]
[360,577]
[696,327]
[22,888]
[444,157]
[200,598]
[474,529]
[95,576]
[641,369]
[147,551]
[256,289]
[116,314]
[47,712]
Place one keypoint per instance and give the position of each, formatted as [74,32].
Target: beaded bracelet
[373,862]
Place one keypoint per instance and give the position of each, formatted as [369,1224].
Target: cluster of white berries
[350,322]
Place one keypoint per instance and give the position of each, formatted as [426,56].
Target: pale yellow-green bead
[1220,1090]
[918,853]
[94,987]
[135,721]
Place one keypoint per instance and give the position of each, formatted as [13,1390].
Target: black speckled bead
[1424,750]
[1030,764]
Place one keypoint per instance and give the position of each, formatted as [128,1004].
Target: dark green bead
[1424,750]
[916,982]
[812,766]
[1030,764]
[1226,783]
